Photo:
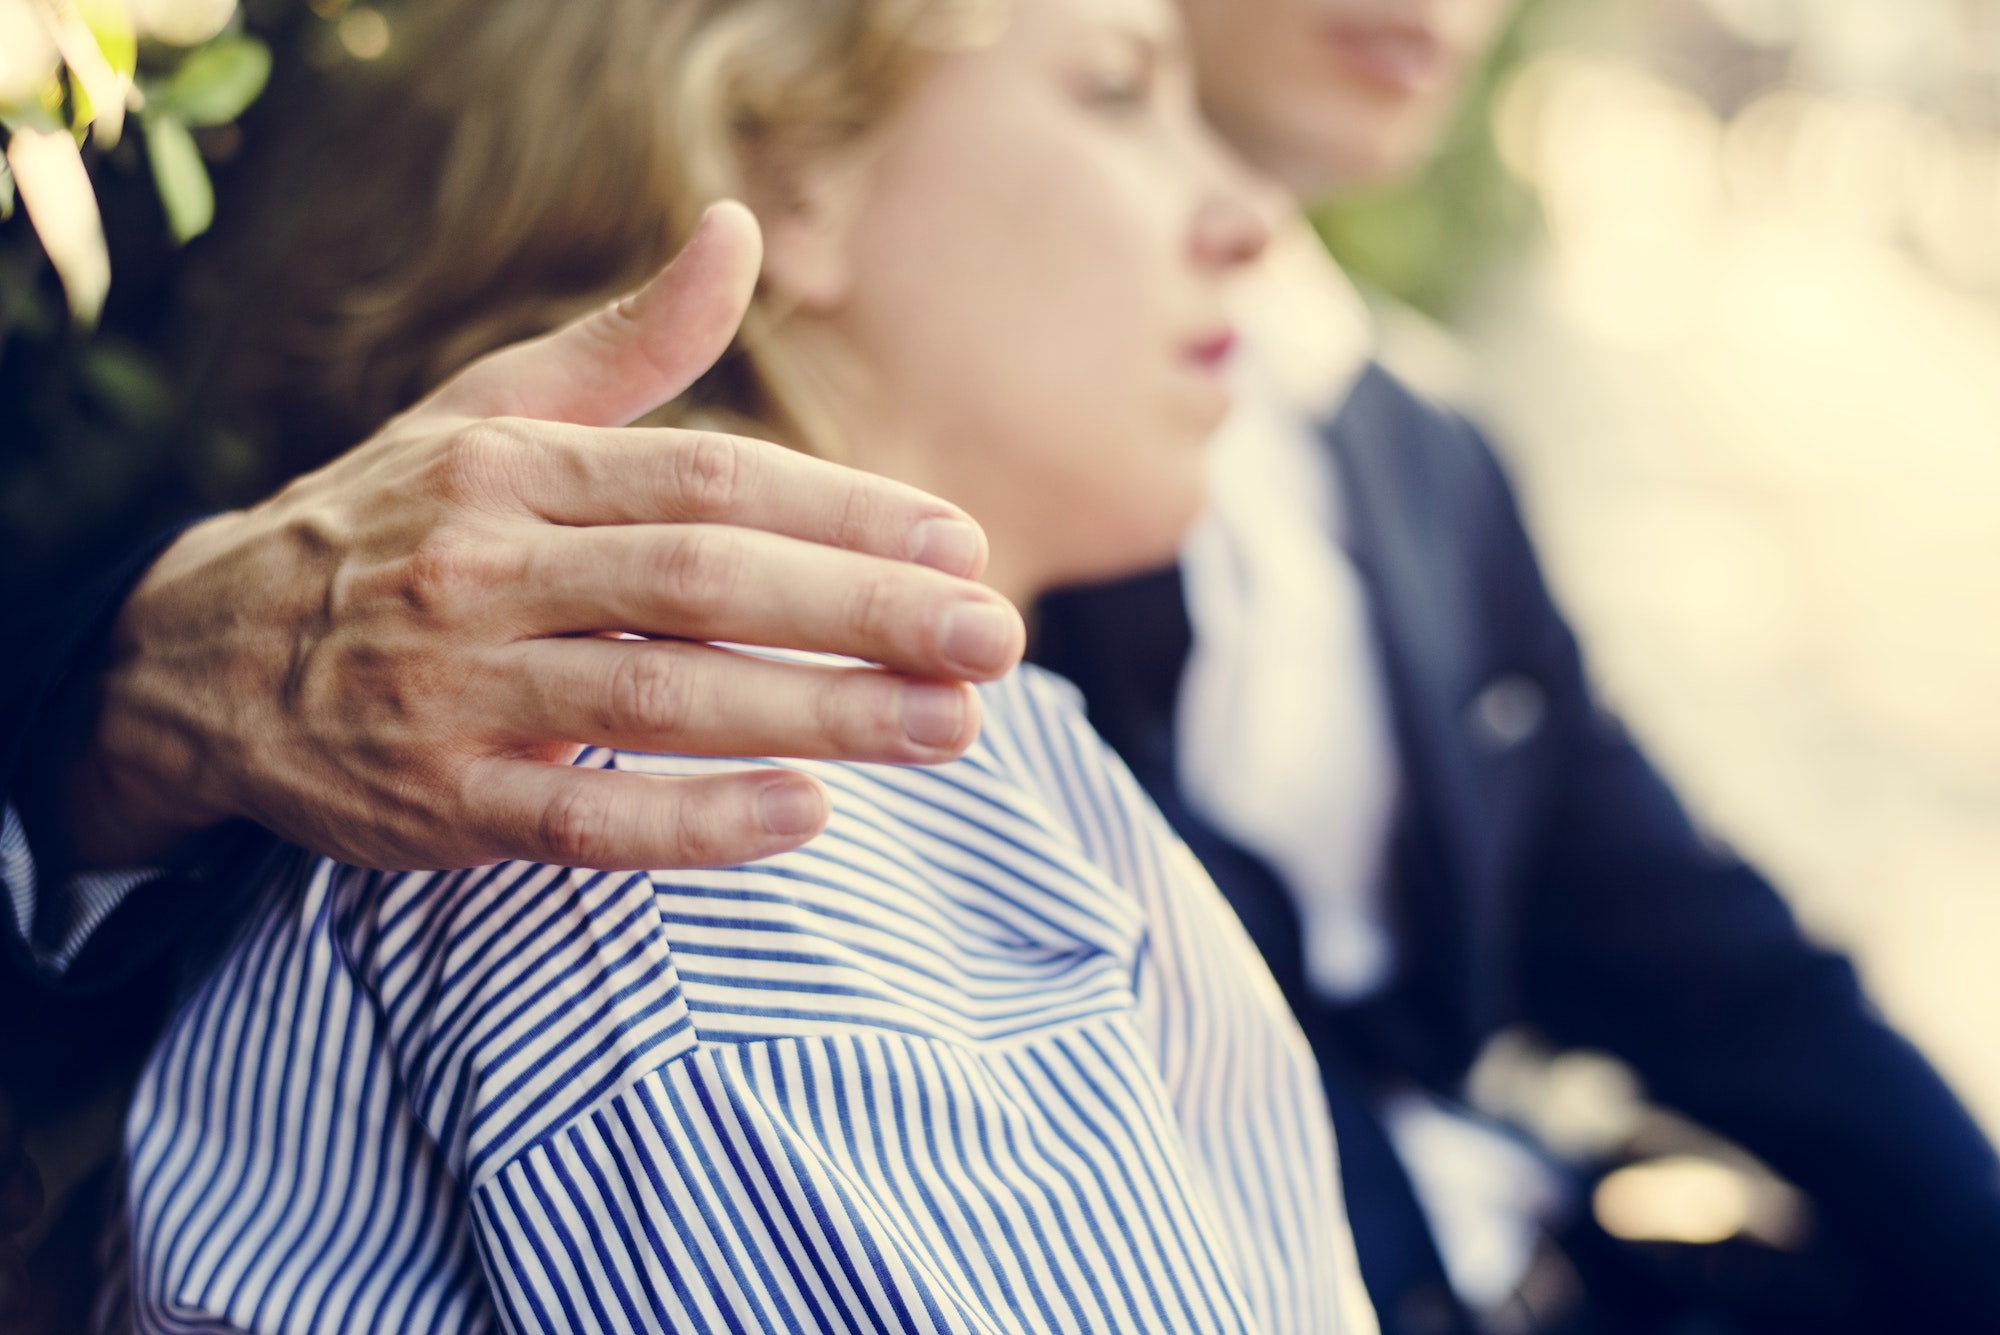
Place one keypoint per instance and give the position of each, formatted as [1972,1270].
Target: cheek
[1234,41]
[1032,298]
[1071,409]
[1025,292]
[1284,91]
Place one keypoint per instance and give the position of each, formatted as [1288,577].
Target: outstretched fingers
[577,817]
[704,582]
[697,699]
[582,477]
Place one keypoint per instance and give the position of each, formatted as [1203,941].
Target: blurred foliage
[70,72]
[101,441]
[103,436]
[1432,240]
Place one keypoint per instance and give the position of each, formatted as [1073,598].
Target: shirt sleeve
[47,923]
[56,922]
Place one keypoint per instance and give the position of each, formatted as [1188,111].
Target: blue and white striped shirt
[57,921]
[990,1054]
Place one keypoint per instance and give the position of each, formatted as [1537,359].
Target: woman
[990,1053]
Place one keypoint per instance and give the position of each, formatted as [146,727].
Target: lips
[1212,352]
[1402,60]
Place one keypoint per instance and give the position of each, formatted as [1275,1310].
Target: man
[1358,704]
[368,663]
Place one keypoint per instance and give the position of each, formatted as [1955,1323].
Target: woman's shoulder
[1037,772]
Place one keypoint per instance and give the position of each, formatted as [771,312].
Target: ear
[809,196]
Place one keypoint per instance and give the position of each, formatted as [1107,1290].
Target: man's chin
[1375,150]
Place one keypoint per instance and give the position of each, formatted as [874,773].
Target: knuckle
[832,712]
[652,695]
[576,827]
[864,517]
[702,833]
[443,573]
[476,459]
[700,573]
[710,475]
[871,609]
[858,712]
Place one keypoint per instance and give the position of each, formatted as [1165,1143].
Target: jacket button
[1508,712]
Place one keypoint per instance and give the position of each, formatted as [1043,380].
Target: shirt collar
[1305,327]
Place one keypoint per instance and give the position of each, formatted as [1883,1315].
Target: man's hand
[393,659]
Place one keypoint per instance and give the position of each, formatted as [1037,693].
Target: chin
[1359,158]
[1340,142]
[1134,544]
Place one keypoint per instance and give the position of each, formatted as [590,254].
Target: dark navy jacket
[62,1038]
[1543,873]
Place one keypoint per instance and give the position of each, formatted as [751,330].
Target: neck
[872,435]
[1011,580]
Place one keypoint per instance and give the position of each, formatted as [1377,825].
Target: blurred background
[1723,276]
[1723,279]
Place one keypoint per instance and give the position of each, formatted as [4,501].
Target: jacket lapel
[1419,601]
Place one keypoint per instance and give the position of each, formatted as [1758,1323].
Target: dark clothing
[1543,873]
[45,700]
[70,1042]
[66,1033]
[47,659]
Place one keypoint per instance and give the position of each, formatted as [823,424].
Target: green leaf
[127,383]
[30,116]
[81,110]
[95,84]
[217,82]
[6,190]
[110,22]
[179,176]
[44,113]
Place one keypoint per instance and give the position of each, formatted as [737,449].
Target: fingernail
[979,638]
[933,715]
[792,808]
[950,545]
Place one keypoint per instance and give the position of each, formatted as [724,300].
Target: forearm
[46,726]
[147,734]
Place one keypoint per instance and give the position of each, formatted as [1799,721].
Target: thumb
[630,357]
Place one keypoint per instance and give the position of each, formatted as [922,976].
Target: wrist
[147,771]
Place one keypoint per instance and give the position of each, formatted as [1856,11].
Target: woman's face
[1033,295]
[1330,95]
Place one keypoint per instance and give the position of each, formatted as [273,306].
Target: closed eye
[1122,77]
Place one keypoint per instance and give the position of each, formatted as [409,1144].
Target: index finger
[591,476]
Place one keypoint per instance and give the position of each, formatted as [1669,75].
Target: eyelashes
[1119,93]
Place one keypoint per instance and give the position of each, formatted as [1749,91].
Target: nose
[1232,222]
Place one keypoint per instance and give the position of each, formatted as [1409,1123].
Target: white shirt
[1285,741]
[1283,719]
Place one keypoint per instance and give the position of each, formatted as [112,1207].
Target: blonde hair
[515,162]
